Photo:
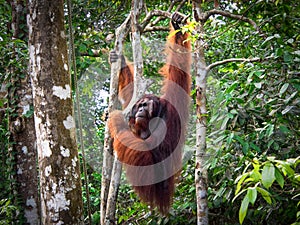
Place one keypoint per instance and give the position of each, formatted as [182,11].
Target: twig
[156,28]
[222,62]
[180,5]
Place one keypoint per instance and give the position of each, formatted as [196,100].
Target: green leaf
[255,175]
[224,124]
[279,52]
[279,178]
[259,73]
[270,143]
[265,194]
[245,148]
[245,145]
[232,87]
[270,130]
[235,197]
[267,40]
[271,158]
[252,194]
[240,100]
[268,175]
[283,88]
[250,179]
[2,103]
[284,129]
[29,113]
[287,100]
[221,138]
[240,179]
[255,147]
[230,115]
[287,109]
[287,170]
[229,139]
[238,138]
[287,57]
[243,209]
[258,85]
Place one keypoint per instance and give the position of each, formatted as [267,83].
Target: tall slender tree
[60,186]
[21,120]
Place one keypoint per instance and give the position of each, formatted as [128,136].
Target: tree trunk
[60,186]
[200,171]
[22,124]
[136,10]
[110,180]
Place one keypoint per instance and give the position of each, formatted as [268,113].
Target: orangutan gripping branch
[150,143]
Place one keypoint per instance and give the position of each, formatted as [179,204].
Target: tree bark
[202,71]
[138,91]
[108,202]
[200,171]
[22,125]
[60,186]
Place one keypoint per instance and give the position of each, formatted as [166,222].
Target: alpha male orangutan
[150,143]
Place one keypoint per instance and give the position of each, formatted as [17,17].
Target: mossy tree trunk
[21,119]
[60,186]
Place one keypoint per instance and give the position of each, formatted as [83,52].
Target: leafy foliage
[261,179]
[253,121]
[7,212]
[254,114]
[13,55]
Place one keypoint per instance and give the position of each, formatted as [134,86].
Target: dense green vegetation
[253,142]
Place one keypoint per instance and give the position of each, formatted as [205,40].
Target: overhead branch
[92,53]
[222,62]
[204,17]
[156,28]
[161,15]
[147,25]
[159,18]
[146,22]
[180,5]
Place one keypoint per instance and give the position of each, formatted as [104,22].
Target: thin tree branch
[107,208]
[147,26]
[222,62]
[180,5]
[93,53]
[171,6]
[204,17]
[161,17]
[156,28]
[150,15]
